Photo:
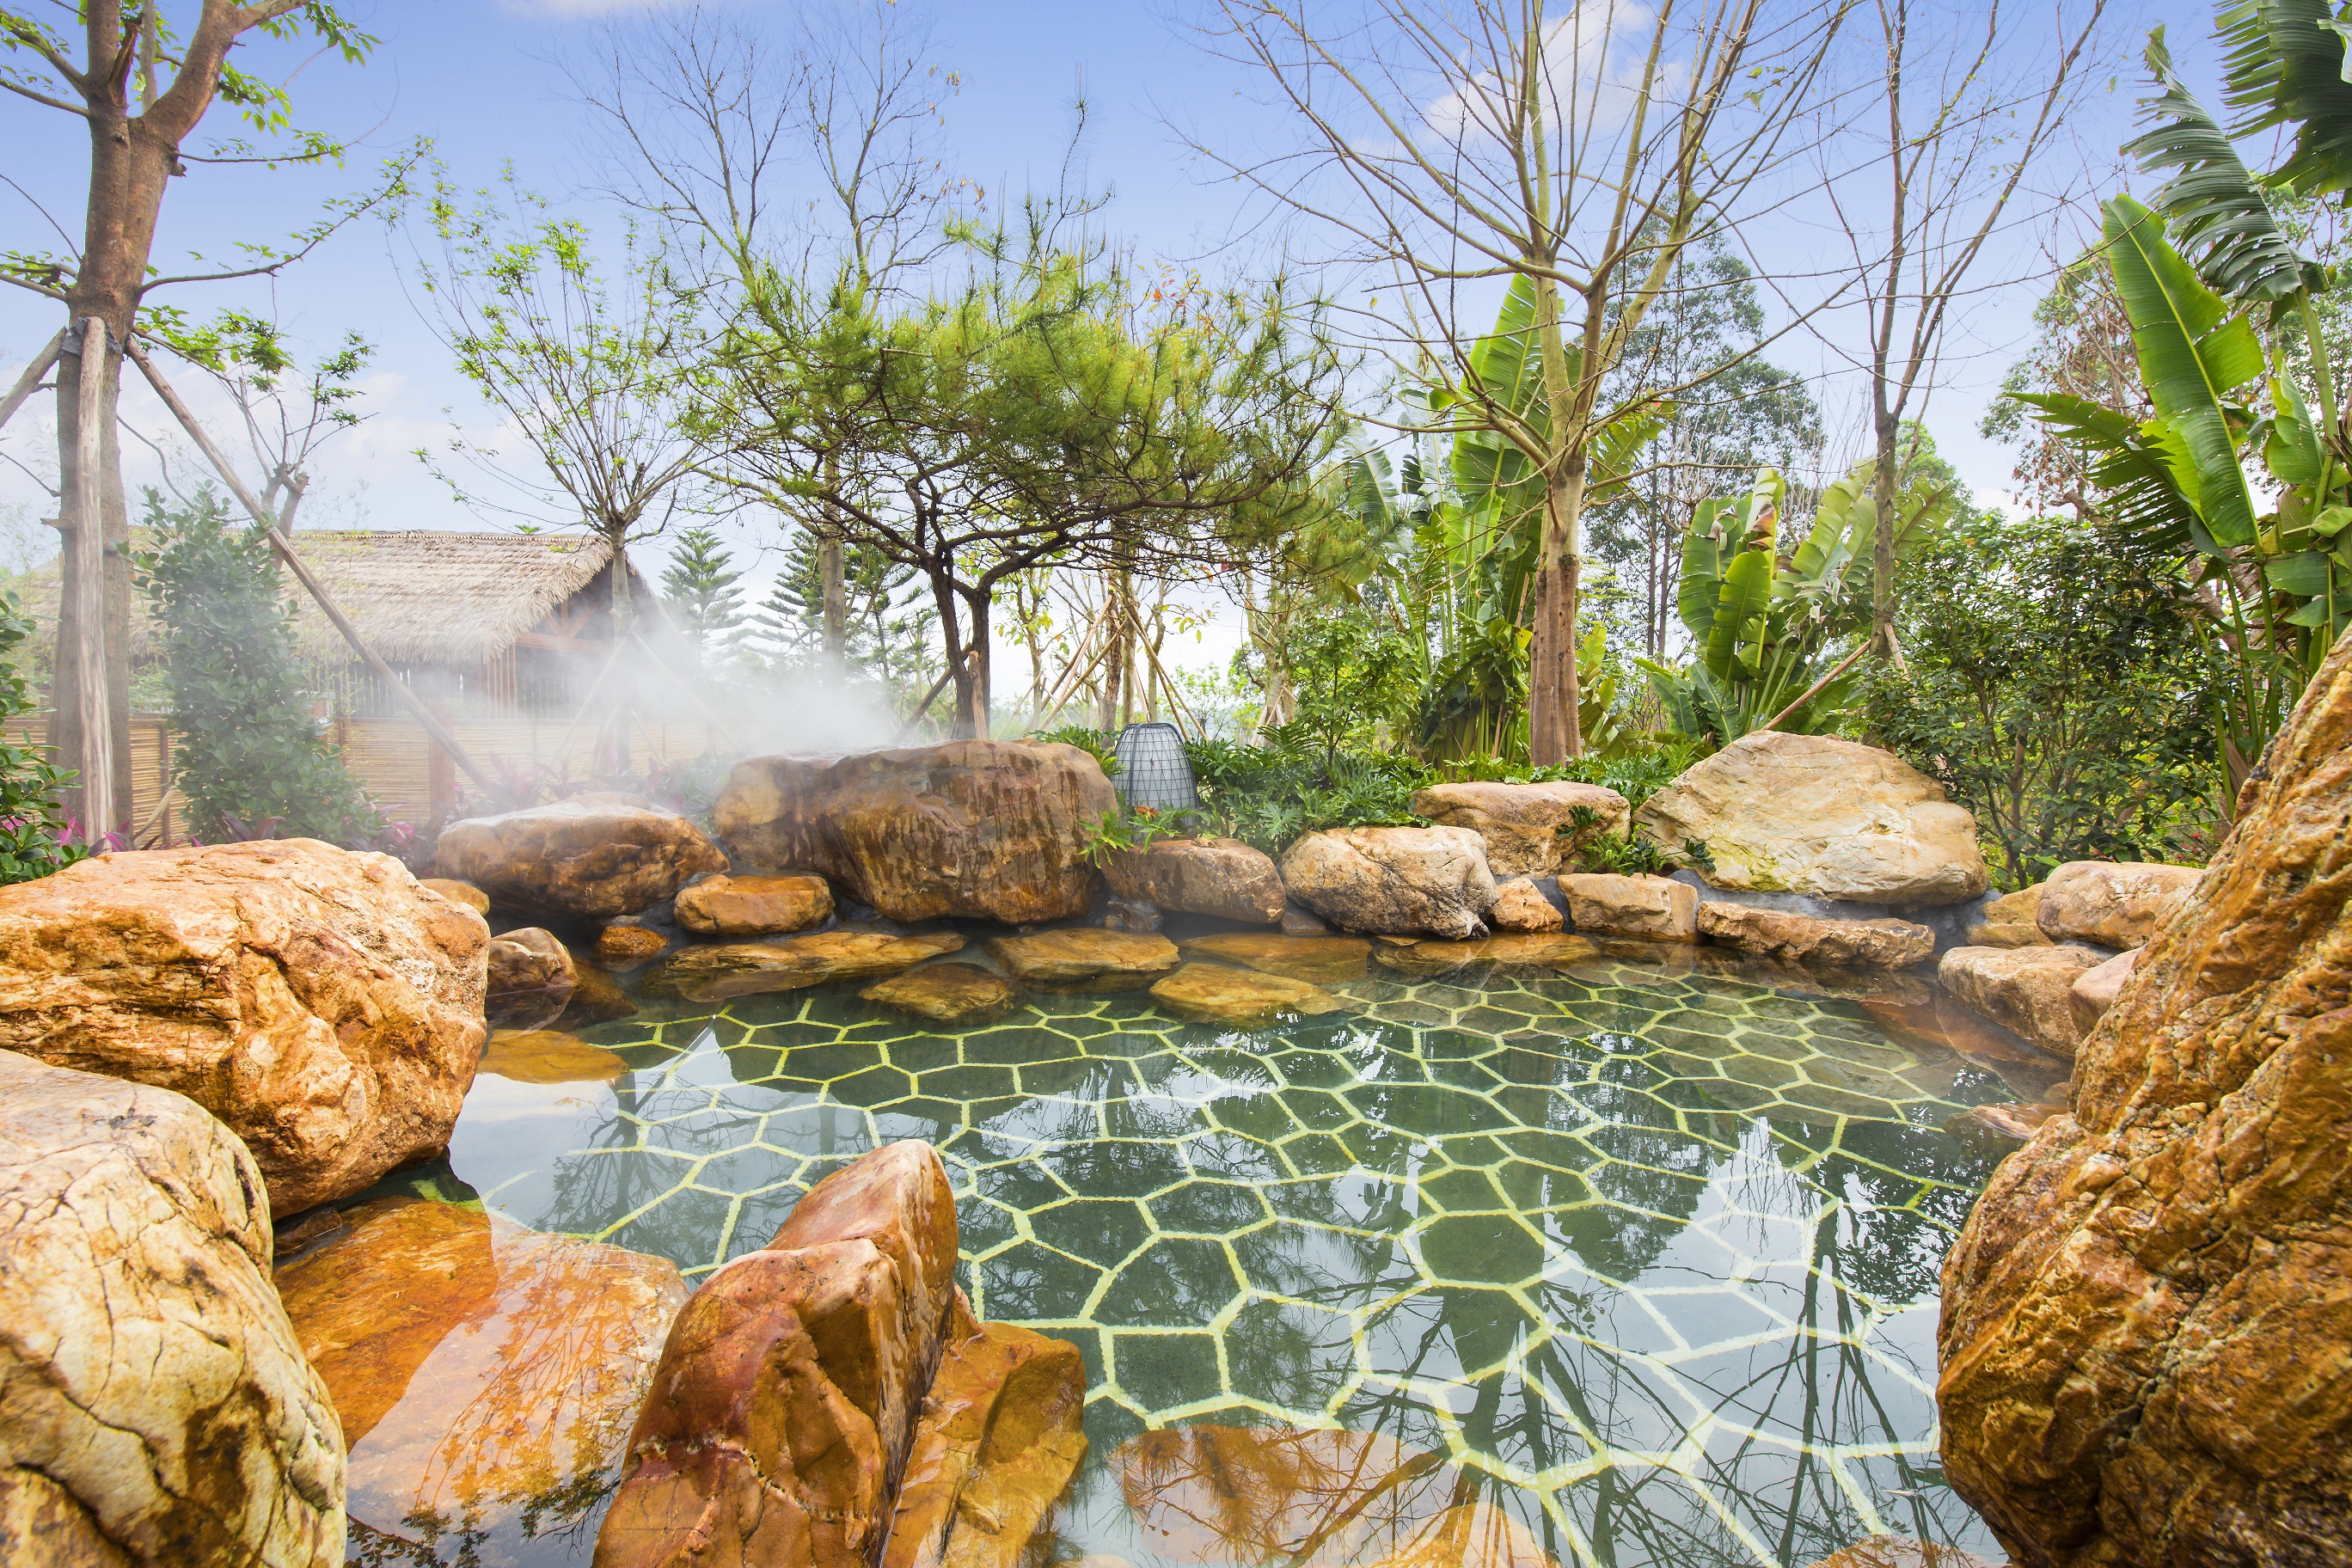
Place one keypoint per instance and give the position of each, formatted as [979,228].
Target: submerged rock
[946,993]
[725,970]
[1521,906]
[548,1056]
[1427,960]
[531,978]
[1812,813]
[1299,921]
[596,997]
[1901,1551]
[1220,877]
[1801,938]
[976,829]
[2114,904]
[2143,1318]
[2009,921]
[1085,958]
[754,906]
[2030,990]
[1528,829]
[155,1407]
[1398,880]
[315,999]
[1658,908]
[486,1375]
[592,857]
[1129,914]
[1241,998]
[1321,960]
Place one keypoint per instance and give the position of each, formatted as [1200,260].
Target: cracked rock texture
[2115,904]
[1222,877]
[315,999]
[1401,882]
[154,1406]
[2147,1316]
[592,857]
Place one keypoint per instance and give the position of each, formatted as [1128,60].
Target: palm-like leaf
[2284,65]
[2136,488]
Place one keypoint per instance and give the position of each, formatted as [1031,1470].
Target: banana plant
[1760,624]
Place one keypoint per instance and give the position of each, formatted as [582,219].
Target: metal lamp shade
[1153,770]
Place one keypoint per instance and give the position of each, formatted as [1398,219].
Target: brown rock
[999,1439]
[1241,998]
[314,999]
[2096,989]
[2146,1315]
[1520,905]
[2009,921]
[630,947]
[481,1370]
[1220,877]
[1085,959]
[594,855]
[1402,881]
[1801,938]
[531,978]
[546,1056]
[456,892]
[982,830]
[2000,1123]
[1813,814]
[725,970]
[1129,914]
[2115,904]
[1901,1551]
[1531,950]
[947,994]
[754,906]
[2027,989]
[1321,960]
[596,997]
[1658,908]
[1527,828]
[158,1410]
[1299,921]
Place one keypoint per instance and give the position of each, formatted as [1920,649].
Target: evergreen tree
[890,627]
[698,585]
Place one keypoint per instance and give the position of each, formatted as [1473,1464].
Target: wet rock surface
[314,999]
[1319,960]
[1393,880]
[1220,877]
[1521,906]
[1241,998]
[1529,830]
[464,893]
[2132,1311]
[1658,908]
[155,1407]
[531,978]
[550,1055]
[722,970]
[946,993]
[592,857]
[2027,990]
[1428,960]
[1812,813]
[2113,904]
[630,947]
[979,829]
[1085,958]
[2010,920]
[1801,939]
[596,996]
[754,906]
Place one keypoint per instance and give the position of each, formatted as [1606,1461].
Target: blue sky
[481,81]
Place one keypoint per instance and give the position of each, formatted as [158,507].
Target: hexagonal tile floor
[1645,1264]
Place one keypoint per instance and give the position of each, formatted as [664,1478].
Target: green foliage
[2059,688]
[34,838]
[1351,676]
[1100,744]
[889,624]
[1625,855]
[249,758]
[1269,794]
[698,588]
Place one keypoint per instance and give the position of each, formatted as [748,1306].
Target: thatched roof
[418,598]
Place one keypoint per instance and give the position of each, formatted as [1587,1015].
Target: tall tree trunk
[1884,479]
[972,685]
[833,582]
[1553,734]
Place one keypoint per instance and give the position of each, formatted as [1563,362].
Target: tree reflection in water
[1603,1265]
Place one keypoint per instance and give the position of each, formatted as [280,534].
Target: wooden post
[440,786]
[30,380]
[87,523]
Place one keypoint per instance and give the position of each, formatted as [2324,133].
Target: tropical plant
[35,836]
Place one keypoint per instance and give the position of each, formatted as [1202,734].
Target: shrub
[34,838]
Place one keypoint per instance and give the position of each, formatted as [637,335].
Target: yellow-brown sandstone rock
[592,857]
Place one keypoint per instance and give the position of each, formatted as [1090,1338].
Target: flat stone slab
[1321,960]
[1085,958]
[725,970]
[1241,998]
[1425,960]
[550,1055]
[947,994]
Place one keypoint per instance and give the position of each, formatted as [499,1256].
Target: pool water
[1613,1264]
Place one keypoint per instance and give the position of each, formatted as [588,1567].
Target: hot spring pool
[1613,1265]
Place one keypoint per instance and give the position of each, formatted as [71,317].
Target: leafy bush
[1267,796]
[1100,744]
[250,759]
[34,838]
[1636,773]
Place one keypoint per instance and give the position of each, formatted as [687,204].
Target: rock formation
[754,906]
[531,978]
[1812,813]
[1220,877]
[2114,904]
[725,970]
[2146,1315]
[464,893]
[1801,938]
[630,946]
[592,857]
[154,1406]
[2010,920]
[1520,905]
[950,994]
[1530,830]
[1241,998]
[1085,959]
[1402,881]
[1657,907]
[315,999]
[979,829]
[1322,959]
[2027,989]
[2096,989]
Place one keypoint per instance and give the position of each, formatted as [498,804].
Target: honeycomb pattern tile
[1651,1258]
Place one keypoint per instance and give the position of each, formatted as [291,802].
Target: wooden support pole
[316,590]
[31,380]
[925,705]
[1812,691]
[88,520]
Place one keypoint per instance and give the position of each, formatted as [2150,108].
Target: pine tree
[889,627]
[698,585]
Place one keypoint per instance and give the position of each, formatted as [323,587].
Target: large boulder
[1529,830]
[1403,882]
[2113,903]
[1220,877]
[1520,905]
[2097,990]
[977,829]
[1802,938]
[1657,907]
[155,1407]
[592,857]
[316,1000]
[2145,1316]
[2029,991]
[531,978]
[1812,813]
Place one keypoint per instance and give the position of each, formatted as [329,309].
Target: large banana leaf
[2284,65]
[2136,485]
[1735,642]
[2191,354]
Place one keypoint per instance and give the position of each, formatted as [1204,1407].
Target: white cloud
[1593,60]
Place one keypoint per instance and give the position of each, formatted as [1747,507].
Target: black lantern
[1153,770]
